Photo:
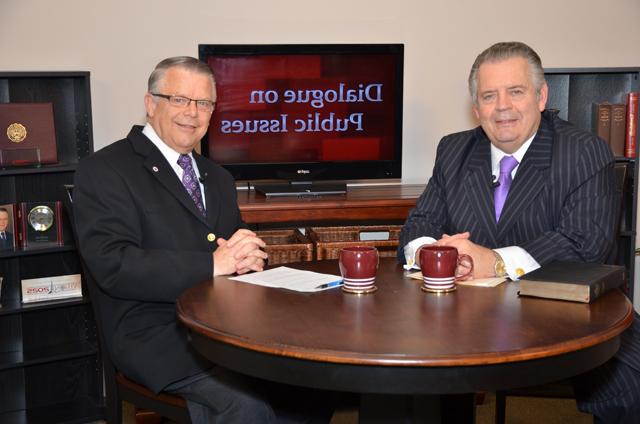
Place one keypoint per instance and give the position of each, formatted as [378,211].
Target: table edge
[358,358]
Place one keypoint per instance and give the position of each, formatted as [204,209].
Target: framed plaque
[27,134]
[39,224]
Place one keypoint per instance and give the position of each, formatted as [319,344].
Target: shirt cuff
[517,261]
[411,248]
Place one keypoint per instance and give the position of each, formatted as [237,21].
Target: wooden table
[383,202]
[400,340]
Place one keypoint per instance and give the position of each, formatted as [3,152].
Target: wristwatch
[499,268]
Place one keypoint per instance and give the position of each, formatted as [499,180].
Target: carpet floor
[520,410]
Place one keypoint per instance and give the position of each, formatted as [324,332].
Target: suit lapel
[477,185]
[158,166]
[530,179]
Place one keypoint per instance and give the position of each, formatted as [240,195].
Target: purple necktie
[190,181]
[507,164]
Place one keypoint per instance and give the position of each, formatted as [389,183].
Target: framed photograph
[7,226]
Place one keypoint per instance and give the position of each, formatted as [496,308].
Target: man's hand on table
[484,259]
[240,254]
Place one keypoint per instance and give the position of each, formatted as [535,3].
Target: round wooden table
[400,340]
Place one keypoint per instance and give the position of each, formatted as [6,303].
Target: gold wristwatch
[499,268]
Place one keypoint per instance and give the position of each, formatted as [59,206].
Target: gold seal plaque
[16,132]
[41,218]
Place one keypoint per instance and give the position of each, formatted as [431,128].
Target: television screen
[310,112]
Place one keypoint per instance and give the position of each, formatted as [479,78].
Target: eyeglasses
[182,102]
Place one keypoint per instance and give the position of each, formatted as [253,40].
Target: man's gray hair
[184,62]
[503,51]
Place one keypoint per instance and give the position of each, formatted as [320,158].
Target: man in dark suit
[522,189]
[6,237]
[154,218]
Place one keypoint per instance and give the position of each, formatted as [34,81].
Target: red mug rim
[359,248]
[439,248]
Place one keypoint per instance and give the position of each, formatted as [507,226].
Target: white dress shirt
[517,261]
[172,157]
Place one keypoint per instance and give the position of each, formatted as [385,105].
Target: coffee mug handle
[467,261]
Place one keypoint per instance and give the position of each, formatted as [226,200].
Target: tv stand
[296,188]
[361,204]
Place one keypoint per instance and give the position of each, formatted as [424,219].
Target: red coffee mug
[358,266]
[438,265]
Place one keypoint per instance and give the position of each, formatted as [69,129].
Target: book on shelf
[617,128]
[631,129]
[573,281]
[602,120]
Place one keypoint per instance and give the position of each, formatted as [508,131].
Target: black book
[574,281]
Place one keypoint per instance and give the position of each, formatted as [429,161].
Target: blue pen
[329,285]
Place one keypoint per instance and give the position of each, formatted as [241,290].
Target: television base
[300,189]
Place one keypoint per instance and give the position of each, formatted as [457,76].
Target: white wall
[120,41]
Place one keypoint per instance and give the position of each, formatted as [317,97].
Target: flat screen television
[306,114]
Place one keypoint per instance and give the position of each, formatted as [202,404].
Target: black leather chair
[564,388]
[117,386]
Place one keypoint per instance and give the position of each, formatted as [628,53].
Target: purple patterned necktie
[507,164]
[190,181]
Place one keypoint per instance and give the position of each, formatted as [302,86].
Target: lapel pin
[155,169]
[211,237]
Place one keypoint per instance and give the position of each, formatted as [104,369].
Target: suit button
[211,237]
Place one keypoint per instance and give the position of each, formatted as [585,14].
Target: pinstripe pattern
[561,206]
[629,352]
[611,392]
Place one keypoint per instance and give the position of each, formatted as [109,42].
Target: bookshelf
[49,358]
[573,91]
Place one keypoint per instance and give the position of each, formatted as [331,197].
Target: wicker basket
[285,246]
[329,240]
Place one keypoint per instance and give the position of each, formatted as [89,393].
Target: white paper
[291,279]
[477,282]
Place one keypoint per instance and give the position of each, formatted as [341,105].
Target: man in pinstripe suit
[560,202]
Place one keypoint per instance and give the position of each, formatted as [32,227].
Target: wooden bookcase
[573,91]
[50,369]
